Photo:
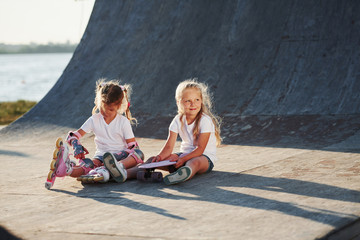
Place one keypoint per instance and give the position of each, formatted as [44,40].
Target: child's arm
[82,132]
[130,141]
[168,147]
[198,151]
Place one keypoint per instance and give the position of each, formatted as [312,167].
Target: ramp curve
[283,73]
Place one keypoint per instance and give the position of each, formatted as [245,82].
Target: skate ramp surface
[282,73]
[285,79]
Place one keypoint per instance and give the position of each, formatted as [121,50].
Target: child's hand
[156,158]
[80,152]
[173,158]
[180,162]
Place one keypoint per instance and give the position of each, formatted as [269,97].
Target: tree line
[37,48]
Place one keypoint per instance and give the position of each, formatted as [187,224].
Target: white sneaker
[181,175]
[116,169]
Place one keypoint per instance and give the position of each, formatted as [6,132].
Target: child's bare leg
[193,166]
[129,162]
[132,172]
[79,170]
[198,165]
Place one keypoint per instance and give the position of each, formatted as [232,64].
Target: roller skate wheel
[98,178]
[140,175]
[50,175]
[156,177]
[53,164]
[83,179]
[59,142]
[48,185]
[56,154]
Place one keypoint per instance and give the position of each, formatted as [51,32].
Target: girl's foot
[181,175]
[116,169]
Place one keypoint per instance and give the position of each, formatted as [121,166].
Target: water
[30,76]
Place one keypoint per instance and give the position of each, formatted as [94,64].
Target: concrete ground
[253,193]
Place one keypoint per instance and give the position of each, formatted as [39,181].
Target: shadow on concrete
[13,153]
[226,188]
[7,235]
[116,198]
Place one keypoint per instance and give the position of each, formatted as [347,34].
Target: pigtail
[125,104]
[98,98]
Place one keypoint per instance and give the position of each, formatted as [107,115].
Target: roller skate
[61,165]
[99,174]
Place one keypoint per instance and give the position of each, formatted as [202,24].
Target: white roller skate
[99,174]
[61,165]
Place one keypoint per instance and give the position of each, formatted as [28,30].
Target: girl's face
[191,101]
[109,111]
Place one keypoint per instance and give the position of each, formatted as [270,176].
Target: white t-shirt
[109,137]
[186,134]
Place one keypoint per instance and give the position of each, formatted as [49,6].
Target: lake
[30,76]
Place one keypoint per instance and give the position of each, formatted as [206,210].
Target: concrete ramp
[286,81]
[278,70]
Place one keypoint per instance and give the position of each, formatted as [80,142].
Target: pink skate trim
[132,145]
[50,183]
[63,163]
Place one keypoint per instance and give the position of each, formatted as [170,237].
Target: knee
[138,155]
[198,164]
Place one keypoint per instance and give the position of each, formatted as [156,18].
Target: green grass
[10,111]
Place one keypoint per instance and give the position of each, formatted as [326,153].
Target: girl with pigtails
[116,147]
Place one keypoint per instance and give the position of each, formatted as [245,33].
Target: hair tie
[122,87]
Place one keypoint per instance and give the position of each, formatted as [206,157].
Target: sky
[43,21]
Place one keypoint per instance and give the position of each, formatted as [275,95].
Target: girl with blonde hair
[199,130]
